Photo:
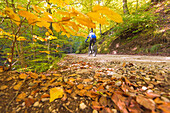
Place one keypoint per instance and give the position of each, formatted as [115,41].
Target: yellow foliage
[20,7]
[32,19]
[51,37]
[56,27]
[85,21]
[21,38]
[42,23]
[37,9]
[95,16]
[12,15]
[47,17]
[47,34]
[108,12]
[55,93]
[48,52]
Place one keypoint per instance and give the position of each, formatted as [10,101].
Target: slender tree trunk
[125,7]
[137,4]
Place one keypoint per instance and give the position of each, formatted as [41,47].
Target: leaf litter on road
[89,86]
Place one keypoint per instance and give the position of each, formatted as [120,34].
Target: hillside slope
[154,40]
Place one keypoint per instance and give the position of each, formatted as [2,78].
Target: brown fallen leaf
[45,96]
[57,75]
[103,101]
[33,75]
[80,86]
[21,97]
[43,77]
[16,87]
[152,95]
[147,103]
[158,101]
[22,76]
[34,92]
[118,100]
[96,105]
[3,87]
[165,107]
[88,87]
[29,102]
[134,107]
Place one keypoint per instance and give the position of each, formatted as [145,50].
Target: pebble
[114,110]
[144,88]
[148,79]
[149,91]
[82,106]
[45,99]
[18,109]
[165,99]
[95,111]
[36,104]
[118,83]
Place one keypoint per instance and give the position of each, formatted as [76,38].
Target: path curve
[126,58]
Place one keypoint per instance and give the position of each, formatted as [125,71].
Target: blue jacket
[91,35]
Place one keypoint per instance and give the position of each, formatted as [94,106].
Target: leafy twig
[16,93]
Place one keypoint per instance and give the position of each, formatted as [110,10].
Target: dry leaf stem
[16,93]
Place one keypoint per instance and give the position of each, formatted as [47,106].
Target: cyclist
[92,39]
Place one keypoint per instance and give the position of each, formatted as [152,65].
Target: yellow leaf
[21,38]
[48,52]
[38,9]
[21,97]
[32,19]
[51,37]
[55,93]
[12,15]
[108,12]
[16,87]
[47,17]
[3,87]
[22,76]
[95,16]
[47,34]
[33,75]
[85,21]
[56,27]
[42,23]
[20,7]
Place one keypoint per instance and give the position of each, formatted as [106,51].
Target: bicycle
[93,50]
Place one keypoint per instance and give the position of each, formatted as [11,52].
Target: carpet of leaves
[81,86]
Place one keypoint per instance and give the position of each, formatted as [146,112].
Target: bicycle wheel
[89,52]
[94,50]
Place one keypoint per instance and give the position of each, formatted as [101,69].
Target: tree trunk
[125,8]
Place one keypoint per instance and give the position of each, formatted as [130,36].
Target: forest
[39,42]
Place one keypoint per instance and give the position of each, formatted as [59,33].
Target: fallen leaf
[87,80]
[118,100]
[16,87]
[57,75]
[80,86]
[3,87]
[147,103]
[22,76]
[72,80]
[43,76]
[82,92]
[134,107]
[158,101]
[21,97]
[56,92]
[103,101]
[33,75]
[152,95]
[29,102]
[165,107]
[96,105]
[9,79]
[88,87]
[72,75]
[68,90]
[64,97]
[34,92]
[45,96]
